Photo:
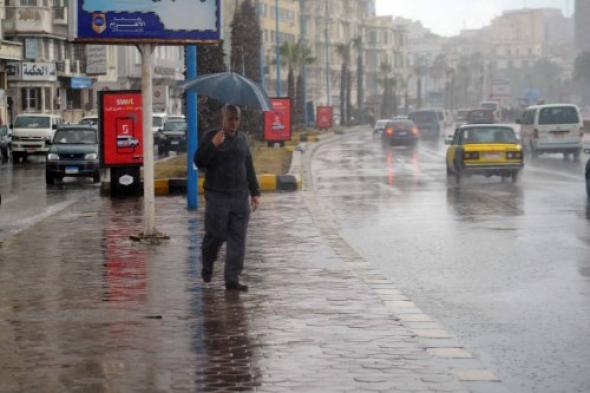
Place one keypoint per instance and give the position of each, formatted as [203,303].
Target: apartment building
[10,51]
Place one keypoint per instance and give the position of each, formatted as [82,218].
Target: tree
[387,82]
[360,71]
[344,52]
[289,57]
[582,74]
[246,41]
[210,60]
[304,59]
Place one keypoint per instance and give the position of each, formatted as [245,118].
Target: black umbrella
[230,88]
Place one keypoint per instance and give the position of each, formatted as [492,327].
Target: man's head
[231,115]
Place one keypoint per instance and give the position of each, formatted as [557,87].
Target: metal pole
[278,51]
[149,200]
[327,38]
[303,28]
[261,52]
[192,115]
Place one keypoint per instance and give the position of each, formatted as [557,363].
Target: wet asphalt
[504,267]
[26,200]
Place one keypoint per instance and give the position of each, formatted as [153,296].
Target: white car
[32,132]
[555,128]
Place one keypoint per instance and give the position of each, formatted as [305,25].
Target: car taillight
[514,155]
[415,131]
[581,132]
[536,134]
[471,155]
[389,131]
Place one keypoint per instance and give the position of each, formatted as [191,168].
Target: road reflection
[474,201]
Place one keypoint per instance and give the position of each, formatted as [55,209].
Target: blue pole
[278,52]
[192,189]
[261,53]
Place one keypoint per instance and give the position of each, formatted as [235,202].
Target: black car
[588,174]
[427,122]
[401,132]
[73,152]
[174,132]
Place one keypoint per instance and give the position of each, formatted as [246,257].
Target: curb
[268,183]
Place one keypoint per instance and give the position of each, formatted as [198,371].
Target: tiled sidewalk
[84,309]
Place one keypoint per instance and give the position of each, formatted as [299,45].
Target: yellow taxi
[484,149]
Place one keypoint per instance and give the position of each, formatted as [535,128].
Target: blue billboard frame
[135,27]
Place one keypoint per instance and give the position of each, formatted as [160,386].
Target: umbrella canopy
[230,88]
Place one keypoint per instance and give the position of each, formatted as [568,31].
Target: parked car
[89,121]
[427,122]
[380,126]
[587,150]
[32,132]
[401,132]
[73,152]
[176,117]
[5,140]
[175,133]
[490,150]
[158,120]
[480,116]
[556,128]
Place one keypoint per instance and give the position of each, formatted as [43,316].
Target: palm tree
[357,43]
[296,56]
[304,59]
[289,56]
[388,82]
[344,52]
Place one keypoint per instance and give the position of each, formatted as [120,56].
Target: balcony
[67,67]
[28,20]
[60,16]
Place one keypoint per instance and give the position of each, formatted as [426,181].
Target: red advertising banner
[325,117]
[277,124]
[121,128]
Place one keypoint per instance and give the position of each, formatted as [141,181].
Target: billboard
[149,21]
[501,88]
[277,124]
[121,128]
[325,117]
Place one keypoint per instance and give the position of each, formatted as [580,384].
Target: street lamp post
[327,38]
[261,52]
[278,51]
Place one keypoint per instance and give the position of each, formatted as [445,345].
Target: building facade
[10,52]
[582,25]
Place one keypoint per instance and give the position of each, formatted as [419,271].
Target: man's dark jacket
[228,168]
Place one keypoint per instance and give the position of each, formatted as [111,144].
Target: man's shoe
[236,286]
[207,275]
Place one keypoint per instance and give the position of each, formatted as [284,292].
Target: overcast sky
[448,17]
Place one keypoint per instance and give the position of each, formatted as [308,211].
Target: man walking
[231,191]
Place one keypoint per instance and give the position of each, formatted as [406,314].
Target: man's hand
[255,202]
[218,139]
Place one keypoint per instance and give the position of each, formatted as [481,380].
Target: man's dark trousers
[226,220]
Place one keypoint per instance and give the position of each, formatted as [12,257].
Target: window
[31,3]
[559,115]
[31,99]
[485,135]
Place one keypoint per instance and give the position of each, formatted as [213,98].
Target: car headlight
[91,157]
[52,157]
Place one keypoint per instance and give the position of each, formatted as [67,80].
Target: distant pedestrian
[231,192]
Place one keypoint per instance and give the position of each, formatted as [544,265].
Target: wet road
[26,200]
[505,267]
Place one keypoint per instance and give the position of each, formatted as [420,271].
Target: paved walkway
[84,309]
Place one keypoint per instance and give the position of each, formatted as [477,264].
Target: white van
[31,132]
[556,128]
